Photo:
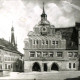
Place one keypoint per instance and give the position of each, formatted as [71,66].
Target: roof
[71,36]
[5,45]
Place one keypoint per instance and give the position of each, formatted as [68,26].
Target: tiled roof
[4,44]
[71,36]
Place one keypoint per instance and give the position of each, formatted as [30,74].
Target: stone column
[42,67]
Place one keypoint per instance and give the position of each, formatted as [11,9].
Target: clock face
[43,30]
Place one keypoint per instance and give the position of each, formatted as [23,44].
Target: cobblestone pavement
[54,75]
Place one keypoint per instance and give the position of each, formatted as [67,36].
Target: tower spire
[43,8]
[13,37]
[43,15]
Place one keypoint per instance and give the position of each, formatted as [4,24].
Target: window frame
[31,54]
[50,54]
[74,65]
[42,41]
[60,54]
[75,53]
[70,54]
[39,54]
[45,53]
[69,65]
[52,42]
[46,42]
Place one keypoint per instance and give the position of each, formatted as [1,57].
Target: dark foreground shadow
[77,78]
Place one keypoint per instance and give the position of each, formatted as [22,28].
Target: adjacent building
[48,48]
[9,53]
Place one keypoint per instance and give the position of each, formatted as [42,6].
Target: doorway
[55,67]
[36,67]
[45,66]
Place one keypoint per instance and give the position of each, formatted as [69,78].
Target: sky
[23,15]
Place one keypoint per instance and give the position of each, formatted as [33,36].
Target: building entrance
[36,67]
[45,66]
[55,67]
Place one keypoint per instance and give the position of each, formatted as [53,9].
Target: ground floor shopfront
[50,65]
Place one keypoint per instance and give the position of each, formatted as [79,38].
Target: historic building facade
[9,53]
[45,49]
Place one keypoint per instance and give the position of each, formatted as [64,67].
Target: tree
[18,66]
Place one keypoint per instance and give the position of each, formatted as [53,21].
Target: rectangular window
[46,42]
[42,42]
[45,54]
[59,54]
[8,66]
[75,54]
[69,65]
[5,66]
[51,54]
[70,54]
[56,42]
[53,42]
[38,54]
[73,65]
[34,42]
[32,54]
